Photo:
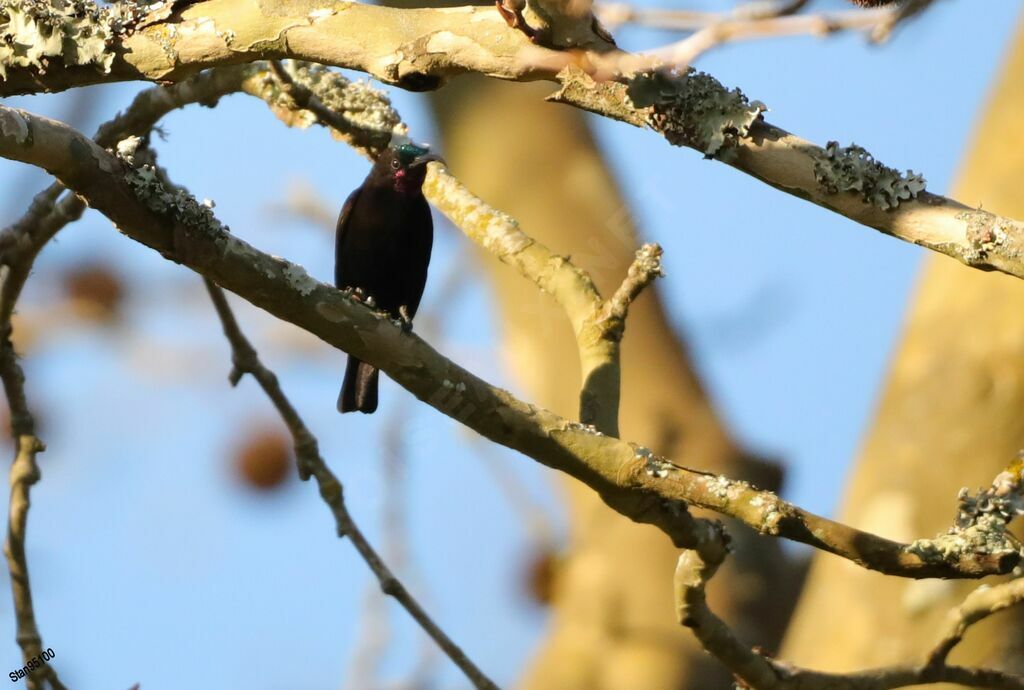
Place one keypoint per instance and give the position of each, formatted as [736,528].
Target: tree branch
[24,473]
[757,670]
[754,20]
[20,244]
[638,484]
[419,48]
[310,463]
[598,327]
[979,605]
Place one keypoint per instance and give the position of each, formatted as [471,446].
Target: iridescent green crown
[407,153]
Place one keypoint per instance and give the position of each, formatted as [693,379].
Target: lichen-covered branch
[627,476]
[419,48]
[20,243]
[310,464]
[754,669]
[693,109]
[415,49]
[598,325]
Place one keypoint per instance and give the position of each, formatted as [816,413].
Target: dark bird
[384,238]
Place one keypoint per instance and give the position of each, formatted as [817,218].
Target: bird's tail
[359,391]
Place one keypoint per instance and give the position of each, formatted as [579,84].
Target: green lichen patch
[40,33]
[853,169]
[694,109]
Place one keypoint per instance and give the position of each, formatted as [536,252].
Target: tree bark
[612,622]
[950,416]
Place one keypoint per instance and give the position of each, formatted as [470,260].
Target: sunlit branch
[627,476]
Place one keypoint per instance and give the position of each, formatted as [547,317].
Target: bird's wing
[339,236]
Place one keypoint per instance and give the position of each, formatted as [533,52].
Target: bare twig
[686,51]
[979,604]
[901,13]
[20,244]
[615,14]
[754,20]
[698,565]
[644,270]
[368,654]
[24,470]
[24,473]
[311,464]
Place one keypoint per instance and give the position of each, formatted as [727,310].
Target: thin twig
[615,14]
[20,244]
[310,463]
[979,604]
[644,270]
[686,51]
[754,20]
[697,565]
[903,12]
[372,646]
[24,473]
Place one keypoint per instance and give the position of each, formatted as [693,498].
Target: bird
[382,251]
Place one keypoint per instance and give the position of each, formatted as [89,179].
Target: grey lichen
[1002,502]
[987,235]
[983,538]
[299,279]
[585,428]
[772,511]
[647,261]
[694,109]
[654,465]
[369,119]
[717,485]
[127,148]
[40,33]
[15,127]
[726,489]
[146,182]
[853,169]
[982,521]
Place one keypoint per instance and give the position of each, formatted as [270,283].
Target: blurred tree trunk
[613,624]
[952,415]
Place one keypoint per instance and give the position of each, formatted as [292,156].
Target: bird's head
[404,166]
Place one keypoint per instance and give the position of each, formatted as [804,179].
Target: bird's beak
[426,158]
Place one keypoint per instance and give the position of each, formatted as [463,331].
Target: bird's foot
[405,319]
[512,12]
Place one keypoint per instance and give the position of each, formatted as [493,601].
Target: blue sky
[151,564]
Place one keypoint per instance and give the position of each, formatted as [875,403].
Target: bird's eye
[396,164]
